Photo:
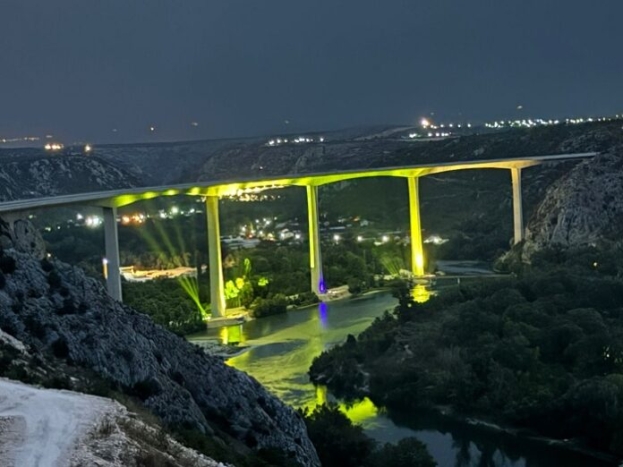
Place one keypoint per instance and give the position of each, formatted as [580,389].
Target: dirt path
[38,427]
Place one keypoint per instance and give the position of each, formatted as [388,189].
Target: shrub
[47,265]
[34,326]
[57,382]
[355,286]
[60,349]
[271,306]
[145,389]
[409,452]
[7,264]
[68,308]
[54,279]
[338,442]
[2,280]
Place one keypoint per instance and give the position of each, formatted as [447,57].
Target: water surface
[282,350]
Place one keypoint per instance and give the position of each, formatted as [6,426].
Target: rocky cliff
[581,208]
[32,176]
[55,308]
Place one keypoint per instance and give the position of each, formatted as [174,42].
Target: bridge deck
[125,196]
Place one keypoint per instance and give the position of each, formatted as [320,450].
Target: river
[283,347]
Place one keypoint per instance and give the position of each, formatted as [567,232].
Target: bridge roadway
[109,201]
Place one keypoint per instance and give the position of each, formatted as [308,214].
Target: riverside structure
[109,201]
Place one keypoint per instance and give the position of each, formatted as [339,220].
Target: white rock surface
[40,427]
[582,208]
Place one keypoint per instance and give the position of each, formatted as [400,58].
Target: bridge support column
[217,289]
[315,255]
[417,249]
[517,206]
[111,262]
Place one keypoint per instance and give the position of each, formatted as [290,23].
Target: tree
[409,452]
[338,442]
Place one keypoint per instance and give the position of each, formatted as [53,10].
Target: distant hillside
[348,149]
[34,174]
[390,151]
[162,163]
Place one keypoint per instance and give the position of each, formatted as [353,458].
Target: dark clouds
[79,68]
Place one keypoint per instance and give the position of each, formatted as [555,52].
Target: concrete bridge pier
[217,288]
[315,255]
[417,249]
[111,261]
[518,227]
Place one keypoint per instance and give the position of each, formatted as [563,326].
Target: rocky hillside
[583,207]
[54,308]
[347,149]
[32,175]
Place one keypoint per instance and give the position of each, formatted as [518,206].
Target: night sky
[78,69]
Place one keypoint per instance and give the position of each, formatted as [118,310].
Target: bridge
[109,201]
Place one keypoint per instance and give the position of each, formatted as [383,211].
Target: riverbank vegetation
[541,352]
[340,443]
[266,280]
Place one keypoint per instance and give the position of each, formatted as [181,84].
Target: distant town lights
[93,221]
[53,147]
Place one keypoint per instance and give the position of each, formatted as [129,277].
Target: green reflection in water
[232,335]
[358,411]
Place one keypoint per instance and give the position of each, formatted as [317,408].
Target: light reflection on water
[282,349]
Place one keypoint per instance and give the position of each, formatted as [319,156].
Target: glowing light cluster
[53,147]
[429,125]
[19,139]
[435,240]
[93,221]
[529,123]
[136,219]
[297,140]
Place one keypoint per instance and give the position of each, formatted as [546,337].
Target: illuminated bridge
[109,201]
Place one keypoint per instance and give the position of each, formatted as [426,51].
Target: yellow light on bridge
[419,261]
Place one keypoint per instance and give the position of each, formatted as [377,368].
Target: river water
[283,347]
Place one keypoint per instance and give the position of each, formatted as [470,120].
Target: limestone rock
[178,381]
[582,208]
[21,235]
